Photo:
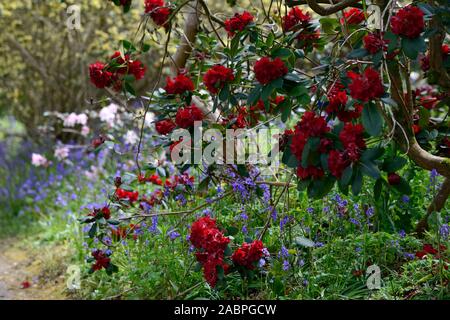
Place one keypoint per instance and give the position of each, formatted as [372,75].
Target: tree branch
[317,8]
[437,205]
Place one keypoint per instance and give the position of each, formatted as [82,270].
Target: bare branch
[317,8]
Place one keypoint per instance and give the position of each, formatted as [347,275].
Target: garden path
[19,264]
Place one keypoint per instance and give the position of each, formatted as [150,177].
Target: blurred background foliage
[45,64]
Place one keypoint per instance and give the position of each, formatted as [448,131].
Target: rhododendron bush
[359,92]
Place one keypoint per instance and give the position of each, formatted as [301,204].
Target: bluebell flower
[444,231]
[402,233]
[286,265]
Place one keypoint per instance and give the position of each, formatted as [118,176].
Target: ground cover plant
[289,150]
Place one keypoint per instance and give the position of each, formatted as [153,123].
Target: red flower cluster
[425,60]
[179,85]
[295,21]
[367,86]
[216,77]
[111,74]
[374,42]
[158,11]
[238,22]
[165,126]
[267,70]
[238,120]
[99,75]
[183,179]
[248,254]
[352,139]
[408,22]
[211,244]
[353,16]
[131,196]
[393,179]
[337,163]
[337,106]
[186,116]
[429,249]
[154,178]
[101,260]
[104,212]
[310,125]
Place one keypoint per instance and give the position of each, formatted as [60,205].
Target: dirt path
[20,263]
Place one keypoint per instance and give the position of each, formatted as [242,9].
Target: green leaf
[403,187]
[377,188]
[304,242]
[281,53]
[231,231]
[254,95]
[320,188]
[389,101]
[266,92]
[298,91]
[93,231]
[392,165]
[412,47]
[346,175]
[224,93]
[285,107]
[358,53]
[357,182]
[288,158]
[370,169]
[372,154]
[372,119]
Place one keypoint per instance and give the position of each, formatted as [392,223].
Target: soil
[19,264]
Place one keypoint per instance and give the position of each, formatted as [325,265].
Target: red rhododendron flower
[425,60]
[210,243]
[310,125]
[416,128]
[100,77]
[131,196]
[295,18]
[393,179]
[128,66]
[238,22]
[267,70]
[353,16]
[337,163]
[374,42]
[408,22]
[165,126]
[25,285]
[248,254]
[158,11]
[179,85]
[337,106]
[216,77]
[101,260]
[186,116]
[428,102]
[352,139]
[367,86]
[429,249]
[137,69]
[310,172]
[106,212]
[298,21]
